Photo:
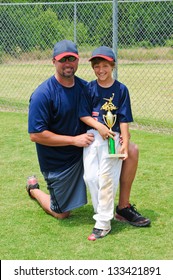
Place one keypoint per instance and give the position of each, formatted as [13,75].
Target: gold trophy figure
[110,120]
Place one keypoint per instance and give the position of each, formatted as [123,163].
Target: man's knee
[61,216]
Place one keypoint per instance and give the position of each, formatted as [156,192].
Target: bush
[169,43]
[144,44]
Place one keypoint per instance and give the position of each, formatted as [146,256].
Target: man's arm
[49,138]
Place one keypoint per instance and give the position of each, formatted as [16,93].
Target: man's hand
[83,140]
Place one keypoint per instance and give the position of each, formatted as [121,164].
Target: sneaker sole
[123,220]
[32,187]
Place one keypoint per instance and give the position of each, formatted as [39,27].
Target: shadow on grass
[84,217]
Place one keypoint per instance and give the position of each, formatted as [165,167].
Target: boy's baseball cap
[103,52]
[65,48]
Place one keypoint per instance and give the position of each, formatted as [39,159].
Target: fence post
[115,35]
[75,23]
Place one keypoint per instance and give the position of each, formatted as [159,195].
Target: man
[59,135]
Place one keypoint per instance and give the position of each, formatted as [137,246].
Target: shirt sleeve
[38,116]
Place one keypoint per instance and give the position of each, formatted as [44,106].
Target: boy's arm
[124,127]
[102,129]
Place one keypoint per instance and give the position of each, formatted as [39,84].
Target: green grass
[27,232]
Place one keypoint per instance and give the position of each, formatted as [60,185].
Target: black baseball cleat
[32,183]
[98,233]
[131,216]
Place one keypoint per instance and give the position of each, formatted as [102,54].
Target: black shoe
[131,216]
[98,233]
[32,183]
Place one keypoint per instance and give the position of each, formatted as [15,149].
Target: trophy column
[110,120]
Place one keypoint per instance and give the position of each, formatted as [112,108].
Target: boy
[101,173]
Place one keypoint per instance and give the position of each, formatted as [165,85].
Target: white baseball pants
[101,175]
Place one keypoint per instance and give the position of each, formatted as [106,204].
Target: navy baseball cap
[65,48]
[103,52]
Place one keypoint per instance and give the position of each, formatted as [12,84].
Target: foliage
[145,23]
[169,43]
[41,26]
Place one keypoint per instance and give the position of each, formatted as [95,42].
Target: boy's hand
[121,139]
[123,150]
[105,132]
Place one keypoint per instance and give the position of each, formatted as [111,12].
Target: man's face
[67,66]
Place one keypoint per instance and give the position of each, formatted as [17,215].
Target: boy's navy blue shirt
[93,100]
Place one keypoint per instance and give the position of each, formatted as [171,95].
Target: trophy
[110,120]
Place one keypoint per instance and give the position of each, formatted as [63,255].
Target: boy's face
[103,71]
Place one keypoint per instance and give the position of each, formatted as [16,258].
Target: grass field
[27,233]
[150,86]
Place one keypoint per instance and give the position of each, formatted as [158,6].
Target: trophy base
[115,156]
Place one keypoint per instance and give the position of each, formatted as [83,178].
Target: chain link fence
[139,31]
